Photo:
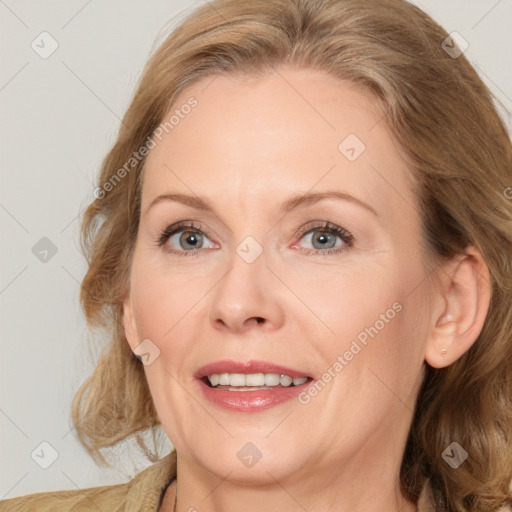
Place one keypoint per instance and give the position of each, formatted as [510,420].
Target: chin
[248,459]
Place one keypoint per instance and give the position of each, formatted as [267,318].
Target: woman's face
[307,257]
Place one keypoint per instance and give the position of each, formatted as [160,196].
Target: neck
[353,488]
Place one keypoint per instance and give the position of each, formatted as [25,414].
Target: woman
[300,245]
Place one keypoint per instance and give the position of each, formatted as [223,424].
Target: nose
[247,297]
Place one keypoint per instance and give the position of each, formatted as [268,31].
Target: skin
[248,145]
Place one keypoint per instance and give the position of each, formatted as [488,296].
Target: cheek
[375,316]
[347,299]
[162,298]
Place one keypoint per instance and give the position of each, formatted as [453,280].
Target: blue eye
[189,239]
[327,237]
[186,239]
[187,236]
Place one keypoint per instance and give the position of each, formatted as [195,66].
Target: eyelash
[325,227]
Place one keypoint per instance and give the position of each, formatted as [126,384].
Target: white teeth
[285,380]
[223,379]
[254,380]
[271,379]
[237,379]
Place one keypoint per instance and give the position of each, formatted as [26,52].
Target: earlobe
[464,295]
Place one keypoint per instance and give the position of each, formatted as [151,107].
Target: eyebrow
[295,201]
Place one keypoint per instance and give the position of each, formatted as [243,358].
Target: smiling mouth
[253,382]
[260,387]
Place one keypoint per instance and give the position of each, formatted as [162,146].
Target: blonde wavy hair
[443,118]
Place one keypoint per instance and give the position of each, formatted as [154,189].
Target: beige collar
[146,490]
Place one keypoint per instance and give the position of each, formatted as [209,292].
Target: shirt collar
[147,488]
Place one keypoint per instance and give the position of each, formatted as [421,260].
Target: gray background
[60,115]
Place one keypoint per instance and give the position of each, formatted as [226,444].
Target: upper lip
[228,366]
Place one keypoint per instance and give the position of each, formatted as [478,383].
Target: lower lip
[251,401]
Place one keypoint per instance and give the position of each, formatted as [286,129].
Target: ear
[129,324]
[463,299]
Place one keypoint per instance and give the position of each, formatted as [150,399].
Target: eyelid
[176,227]
[322,225]
[346,236]
[326,226]
[172,229]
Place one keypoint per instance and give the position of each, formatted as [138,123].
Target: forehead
[249,141]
